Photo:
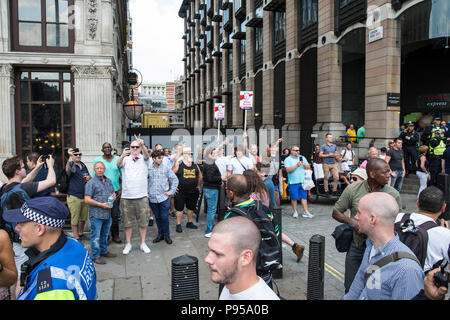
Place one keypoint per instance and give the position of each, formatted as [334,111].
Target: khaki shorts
[78,209]
[131,209]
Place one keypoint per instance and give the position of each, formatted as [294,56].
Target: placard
[246,100]
[219,111]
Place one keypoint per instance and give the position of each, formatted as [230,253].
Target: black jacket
[212,179]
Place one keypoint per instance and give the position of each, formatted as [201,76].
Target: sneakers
[307,215]
[145,248]
[190,225]
[295,215]
[127,248]
[178,228]
[208,235]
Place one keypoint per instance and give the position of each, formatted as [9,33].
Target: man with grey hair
[233,250]
[389,270]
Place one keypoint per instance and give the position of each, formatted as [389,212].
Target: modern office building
[317,66]
[63,76]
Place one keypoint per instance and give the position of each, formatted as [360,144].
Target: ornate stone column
[7,120]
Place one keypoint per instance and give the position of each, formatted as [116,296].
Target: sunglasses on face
[134,147]
[354,179]
[77,154]
[296,150]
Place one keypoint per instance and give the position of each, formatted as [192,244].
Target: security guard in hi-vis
[59,268]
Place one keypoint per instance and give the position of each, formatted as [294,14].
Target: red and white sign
[246,100]
[219,111]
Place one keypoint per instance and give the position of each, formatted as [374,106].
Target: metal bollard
[316,268]
[185,278]
[276,211]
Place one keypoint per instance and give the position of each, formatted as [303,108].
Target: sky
[157,44]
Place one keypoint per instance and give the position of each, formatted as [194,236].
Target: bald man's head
[244,234]
[381,204]
[238,184]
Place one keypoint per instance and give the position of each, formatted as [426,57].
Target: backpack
[269,254]
[62,181]
[415,238]
[5,204]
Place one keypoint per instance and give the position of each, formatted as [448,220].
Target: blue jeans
[271,188]
[211,196]
[161,212]
[397,182]
[99,236]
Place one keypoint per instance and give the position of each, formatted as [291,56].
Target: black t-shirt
[17,200]
[188,178]
[396,159]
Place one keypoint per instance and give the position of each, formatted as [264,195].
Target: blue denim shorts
[296,192]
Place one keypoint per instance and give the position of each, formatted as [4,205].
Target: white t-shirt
[349,154]
[259,291]
[438,240]
[134,177]
[237,168]
[222,163]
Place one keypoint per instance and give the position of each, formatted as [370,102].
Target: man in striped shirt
[399,279]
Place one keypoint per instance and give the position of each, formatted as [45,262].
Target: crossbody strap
[388,259]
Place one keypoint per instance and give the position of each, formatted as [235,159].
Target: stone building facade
[317,66]
[63,70]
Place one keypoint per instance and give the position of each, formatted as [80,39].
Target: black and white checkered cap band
[40,218]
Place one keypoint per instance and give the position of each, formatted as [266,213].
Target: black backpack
[62,181]
[269,255]
[414,237]
[5,204]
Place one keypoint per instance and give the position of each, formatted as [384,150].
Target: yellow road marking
[335,273]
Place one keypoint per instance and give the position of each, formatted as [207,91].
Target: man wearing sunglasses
[134,163]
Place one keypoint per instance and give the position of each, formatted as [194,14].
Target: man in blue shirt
[329,154]
[399,279]
[112,172]
[295,166]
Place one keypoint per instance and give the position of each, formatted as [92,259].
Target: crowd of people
[242,190]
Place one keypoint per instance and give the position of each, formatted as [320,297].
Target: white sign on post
[246,100]
[219,111]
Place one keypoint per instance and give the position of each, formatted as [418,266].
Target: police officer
[436,150]
[428,134]
[59,268]
[410,139]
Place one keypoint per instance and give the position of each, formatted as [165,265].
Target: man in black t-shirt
[14,170]
[396,160]
[189,176]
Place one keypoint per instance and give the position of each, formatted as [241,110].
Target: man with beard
[378,172]
[112,172]
[134,202]
[233,251]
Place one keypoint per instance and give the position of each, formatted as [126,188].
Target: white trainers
[208,235]
[145,248]
[127,248]
[295,215]
[307,215]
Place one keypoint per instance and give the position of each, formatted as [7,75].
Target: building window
[345,2]
[44,113]
[42,25]
[242,52]
[279,27]
[309,12]
[258,41]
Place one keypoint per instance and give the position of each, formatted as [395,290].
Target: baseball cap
[48,211]
[362,173]
[410,124]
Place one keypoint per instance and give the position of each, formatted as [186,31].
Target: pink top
[264,199]
[363,165]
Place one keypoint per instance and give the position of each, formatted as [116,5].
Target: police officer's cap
[48,211]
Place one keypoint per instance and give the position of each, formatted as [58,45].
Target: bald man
[378,172]
[389,270]
[233,249]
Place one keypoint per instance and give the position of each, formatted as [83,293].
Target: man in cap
[436,151]
[59,268]
[410,140]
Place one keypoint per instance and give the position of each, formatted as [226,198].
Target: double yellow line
[335,273]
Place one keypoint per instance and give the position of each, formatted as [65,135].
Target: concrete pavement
[140,276]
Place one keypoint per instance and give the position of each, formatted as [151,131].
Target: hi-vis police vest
[439,149]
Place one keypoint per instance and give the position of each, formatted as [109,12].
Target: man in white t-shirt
[431,204]
[134,200]
[240,162]
[233,249]
[347,158]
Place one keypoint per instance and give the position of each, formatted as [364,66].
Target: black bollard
[185,278]
[276,211]
[316,268]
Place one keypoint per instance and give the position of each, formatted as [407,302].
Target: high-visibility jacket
[439,149]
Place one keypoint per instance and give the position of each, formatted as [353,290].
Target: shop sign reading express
[435,101]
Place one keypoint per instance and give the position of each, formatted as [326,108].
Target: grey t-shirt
[396,159]
[99,191]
